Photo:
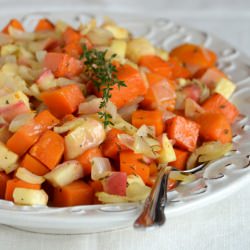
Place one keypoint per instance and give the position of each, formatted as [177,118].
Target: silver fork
[154,206]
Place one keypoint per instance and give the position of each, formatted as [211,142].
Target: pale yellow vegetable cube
[163,54]
[13,98]
[9,49]
[65,173]
[25,196]
[7,158]
[27,176]
[225,87]
[118,47]
[167,153]
[118,32]
[139,47]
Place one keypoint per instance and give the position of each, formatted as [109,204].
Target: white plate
[218,180]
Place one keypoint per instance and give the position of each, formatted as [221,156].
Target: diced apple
[167,153]
[25,196]
[90,134]
[118,47]
[163,54]
[27,176]
[46,80]
[7,158]
[8,49]
[13,98]
[116,184]
[118,32]
[10,111]
[139,47]
[65,173]
[225,87]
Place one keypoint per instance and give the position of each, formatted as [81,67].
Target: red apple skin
[116,184]
[193,92]
[10,111]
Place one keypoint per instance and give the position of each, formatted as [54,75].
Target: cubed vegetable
[185,132]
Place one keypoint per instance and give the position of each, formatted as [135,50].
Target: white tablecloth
[224,225]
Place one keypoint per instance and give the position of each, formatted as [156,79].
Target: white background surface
[224,225]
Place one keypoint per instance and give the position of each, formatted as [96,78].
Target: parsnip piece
[27,176]
[25,196]
[65,173]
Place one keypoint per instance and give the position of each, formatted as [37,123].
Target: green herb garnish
[103,74]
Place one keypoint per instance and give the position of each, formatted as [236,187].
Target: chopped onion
[126,140]
[20,120]
[112,110]
[145,131]
[209,151]
[5,39]
[65,173]
[7,59]
[70,125]
[21,35]
[89,107]
[121,124]
[34,91]
[27,176]
[126,112]
[167,115]
[142,147]
[40,55]
[100,36]
[111,198]
[192,108]
[175,175]
[137,192]
[64,81]
[100,168]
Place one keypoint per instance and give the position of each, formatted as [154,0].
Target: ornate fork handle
[153,211]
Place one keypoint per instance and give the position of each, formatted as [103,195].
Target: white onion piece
[27,176]
[70,125]
[64,81]
[30,197]
[100,167]
[126,140]
[89,107]
[7,59]
[112,110]
[127,127]
[21,35]
[166,115]
[99,36]
[20,120]
[65,173]
[40,55]
[5,39]
[142,147]
[145,131]
[192,108]
[126,112]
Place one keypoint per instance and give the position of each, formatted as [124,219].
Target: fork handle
[153,210]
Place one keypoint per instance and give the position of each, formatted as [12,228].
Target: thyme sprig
[103,74]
